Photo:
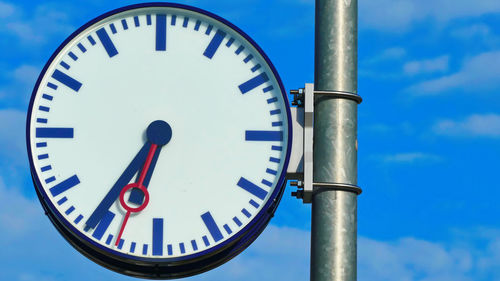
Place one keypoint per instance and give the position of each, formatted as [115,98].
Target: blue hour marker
[238,51]
[272,172]
[275,160]
[157,236]
[253,203]
[46,168]
[67,80]
[252,188]
[132,247]
[120,244]
[73,56]
[253,83]
[197,25]
[248,58]
[124,24]
[274,112]
[52,86]
[103,225]
[228,230]
[91,40]
[59,133]
[109,239]
[271,100]
[209,29]
[44,108]
[267,89]
[263,135]
[193,244]
[268,183]
[113,28]
[246,213]
[255,68]
[78,219]
[205,240]
[62,200]
[136,21]
[65,65]
[148,19]
[214,44]
[161,32]
[173,19]
[51,179]
[212,226]
[69,210]
[43,156]
[106,42]
[41,144]
[237,221]
[81,47]
[64,185]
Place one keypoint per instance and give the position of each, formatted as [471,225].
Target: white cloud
[471,31]
[479,73]
[34,27]
[439,64]
[21,81]
[388,15]
[12,128]
[477,125]
[25,31]
[409,259]
[269,258]
[18,215]
[6,9]
[393,53]
[26,74]
[410,157]
[401,15]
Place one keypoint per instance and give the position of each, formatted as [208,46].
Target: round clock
[158,137]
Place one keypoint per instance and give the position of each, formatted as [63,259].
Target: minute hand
[159,133]
[114,192]
[136,195]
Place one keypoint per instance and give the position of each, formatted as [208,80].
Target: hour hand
[123,180]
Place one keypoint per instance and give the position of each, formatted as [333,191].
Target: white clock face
[211,89]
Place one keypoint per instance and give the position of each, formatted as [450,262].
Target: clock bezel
[209,258]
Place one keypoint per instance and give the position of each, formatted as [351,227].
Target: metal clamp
[340,94]
[318,186]
[300,168]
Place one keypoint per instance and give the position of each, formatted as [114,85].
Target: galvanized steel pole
[334,212]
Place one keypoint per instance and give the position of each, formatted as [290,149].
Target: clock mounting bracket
[300,169]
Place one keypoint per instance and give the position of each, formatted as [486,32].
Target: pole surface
[334,213]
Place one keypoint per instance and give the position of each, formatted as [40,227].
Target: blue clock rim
[255,226]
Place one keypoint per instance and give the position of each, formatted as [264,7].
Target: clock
[158,138]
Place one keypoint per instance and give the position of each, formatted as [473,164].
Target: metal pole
[334,213]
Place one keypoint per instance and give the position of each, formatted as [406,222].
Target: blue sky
[429,139]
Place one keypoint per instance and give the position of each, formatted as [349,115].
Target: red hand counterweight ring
[140,186]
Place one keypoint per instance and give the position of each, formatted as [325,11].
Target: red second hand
[139,185]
